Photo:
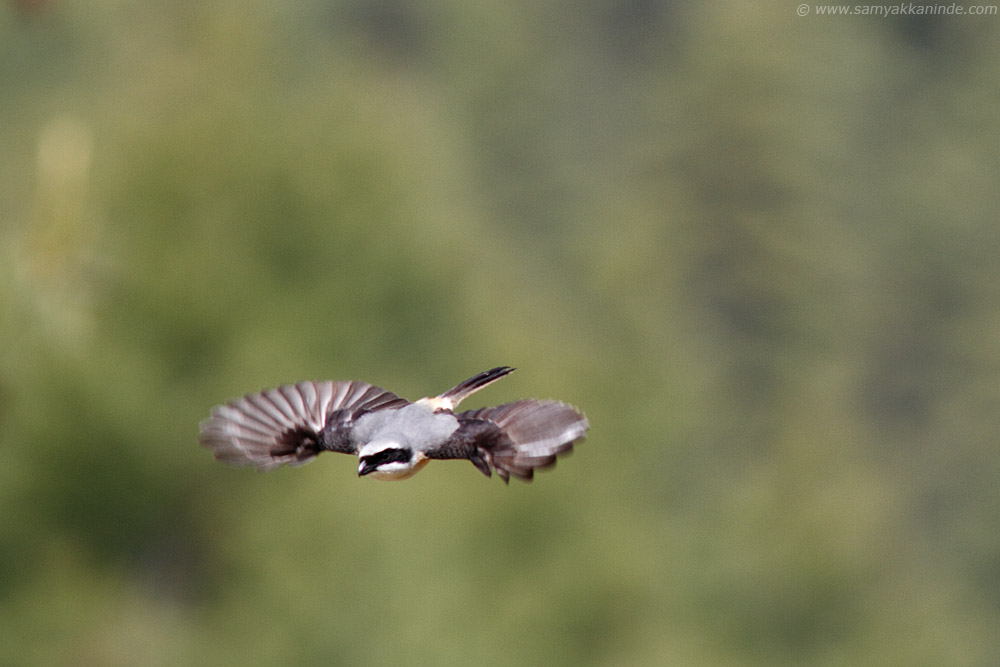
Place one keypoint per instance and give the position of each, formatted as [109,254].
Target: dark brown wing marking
[475,439]
[291,424]
[514,438]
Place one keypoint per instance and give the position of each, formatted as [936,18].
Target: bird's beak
[365,468]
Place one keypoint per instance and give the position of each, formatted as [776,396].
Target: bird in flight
[392,437]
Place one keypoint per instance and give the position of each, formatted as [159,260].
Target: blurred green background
[760,250]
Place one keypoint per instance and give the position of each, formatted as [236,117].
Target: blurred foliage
[760,250]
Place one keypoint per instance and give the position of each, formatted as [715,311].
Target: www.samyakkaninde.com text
[899,9]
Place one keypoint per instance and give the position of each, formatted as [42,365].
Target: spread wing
[514,438]
[291,424]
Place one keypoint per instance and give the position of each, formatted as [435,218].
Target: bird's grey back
[417,423]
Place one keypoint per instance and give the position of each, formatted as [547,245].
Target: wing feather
[292,423]
[515,438]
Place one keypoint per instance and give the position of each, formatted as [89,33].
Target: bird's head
[389,459]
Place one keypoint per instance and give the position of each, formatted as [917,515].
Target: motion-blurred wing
[514,438]
[291,424]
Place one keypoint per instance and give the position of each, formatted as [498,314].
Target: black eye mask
[388,456]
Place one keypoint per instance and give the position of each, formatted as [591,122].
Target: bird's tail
[534,434]
[463,390]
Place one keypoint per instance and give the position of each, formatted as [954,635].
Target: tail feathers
[463,390]
[535,433]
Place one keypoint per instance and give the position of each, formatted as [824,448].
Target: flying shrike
[392,437]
